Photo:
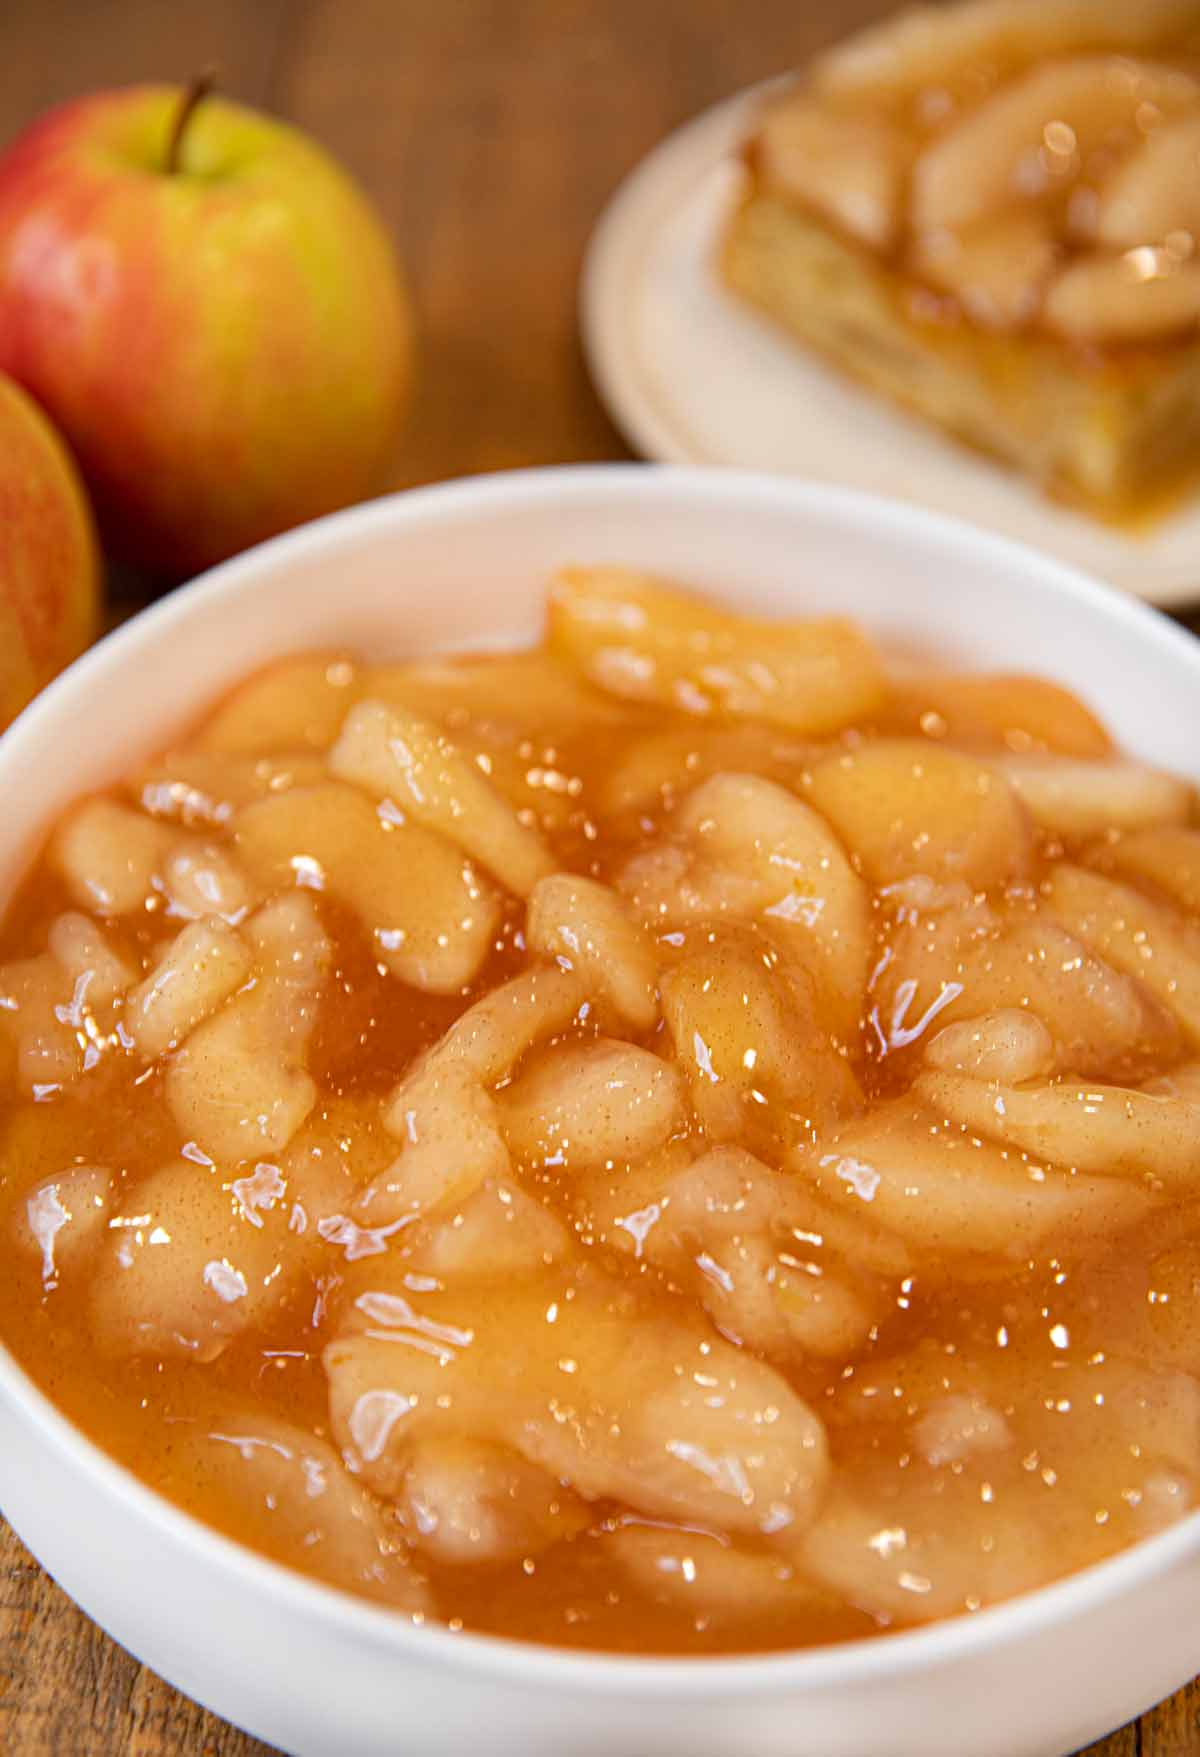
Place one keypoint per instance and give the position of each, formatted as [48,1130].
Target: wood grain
[490,133]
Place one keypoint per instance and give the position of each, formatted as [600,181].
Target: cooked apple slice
[759,1064]
[587,927]
[497,1230]
[912,1563]
[115,859]
[740,1235]
[927,46]
[232,1087]
[905,808]
[741,848]
[41,1051]
[1109,1393]
[630,1211]
[200,968]
[510,696]
[413,764]
[186,1266]
[918,983]
[1013,713]
[201,880]
[110,856]
[516,717]
[1108,1131]
[540,783]
[851,1238]
[996,267]
[1075,799]
[196,1255]
[1141,296]
[1002,151]
[294,705]
[451,1143]
[89,956]
[849,168]
[1136,935]
[309,1512]
[581,1105]
[656,769]
[1009,1044]
[199,788]
[959,1427]
[443,1111]
[940,968]
[63,1219]
[1008,1456]
[1167,858]
[622,1206]
[643,639]
[60,1012]
[704,1575]
[468,1502]
[620,1402]
[1100,1019]
[490,1038]
[1155,192]
[240,1086]
[431,917]
[950,1193]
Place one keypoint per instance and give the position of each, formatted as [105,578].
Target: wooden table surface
[490,133]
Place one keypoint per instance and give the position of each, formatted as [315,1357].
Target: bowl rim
[876,1657]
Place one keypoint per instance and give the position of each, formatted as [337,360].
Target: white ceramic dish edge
[246,1637]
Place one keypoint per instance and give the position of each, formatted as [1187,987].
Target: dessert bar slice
[990,213]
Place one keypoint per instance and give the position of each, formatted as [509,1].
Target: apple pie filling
[680,1140]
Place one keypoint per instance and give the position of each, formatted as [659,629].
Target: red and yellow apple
[211,313]
[49,566]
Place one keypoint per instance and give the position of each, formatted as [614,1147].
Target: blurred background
[490,134]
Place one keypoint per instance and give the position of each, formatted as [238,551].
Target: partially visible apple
[49,567]
[211,312]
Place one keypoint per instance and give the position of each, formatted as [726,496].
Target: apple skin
[227,348]
[49,563]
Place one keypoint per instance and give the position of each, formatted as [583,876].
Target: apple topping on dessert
[1035,164]
[996,268]
[927,48]
[1154,196]
[850,168]
[1032,139]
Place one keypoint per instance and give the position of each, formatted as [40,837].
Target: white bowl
[321,1674]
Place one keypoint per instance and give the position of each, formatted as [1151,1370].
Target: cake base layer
[1118,432]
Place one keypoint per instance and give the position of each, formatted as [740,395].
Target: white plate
[692,377]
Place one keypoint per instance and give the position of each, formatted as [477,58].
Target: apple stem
[194,93]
